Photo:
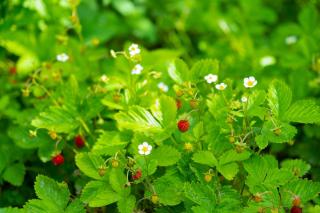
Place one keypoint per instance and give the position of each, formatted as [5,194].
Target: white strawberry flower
[137,69]
[134,50]
[63,57]
[104,78]
[291,39]
[267,60]
[249,82]
[210,78]
[244,99]
[144,148]
[163,87]
[221,86]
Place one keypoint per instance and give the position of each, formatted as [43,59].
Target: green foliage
[75,91]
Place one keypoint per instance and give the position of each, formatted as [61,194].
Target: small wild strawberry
[296,209]
[208,177]
[257,197]
[277,131]
[57,160]
[79,141]
[115,163]
[53,135]
[179,104]
[188,147]
[232,139]
[194,103]
[116,98]
[179,93]
[102,171]
[137,175]
[183,125]
[13,70]
[296,201]
[154,199]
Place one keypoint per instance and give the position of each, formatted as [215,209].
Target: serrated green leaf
[305,111]
[229,170]
[41,206]
[166,155]
[60,119]
[232,155]
[279,98]
[261,141]
[287,132]
[169,189]
[89,164]
[98,193]
[75,207]
[204,67]
[127,204]
[118,181]
[49,190]
[138,119]
[298,167]
[177,70]
[304,188]
[205,157]
[11,210]
[168,111]
[108,143]
[14,174]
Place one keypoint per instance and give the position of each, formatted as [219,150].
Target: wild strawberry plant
[182,140]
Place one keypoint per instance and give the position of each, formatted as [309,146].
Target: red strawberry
[79,141]
[183,125]
[57,160]
[178,103]
[296,209]
[13,70]
[296,201]
[137,175]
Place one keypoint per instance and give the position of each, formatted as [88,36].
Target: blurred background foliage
[265,38]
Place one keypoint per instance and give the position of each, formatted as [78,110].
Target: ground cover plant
[104,113]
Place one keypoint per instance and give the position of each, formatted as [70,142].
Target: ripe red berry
[13,70]
[183,125]
[79,141]
[178,103]
[137,175]
[296,209]
[57,160]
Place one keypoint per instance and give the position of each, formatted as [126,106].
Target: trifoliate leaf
[51,191]
[166,155]
[98,193]
[89,164]
[305,111]
[205,157]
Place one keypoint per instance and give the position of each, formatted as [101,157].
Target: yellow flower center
[144,149]
[250,83]
[221,87]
